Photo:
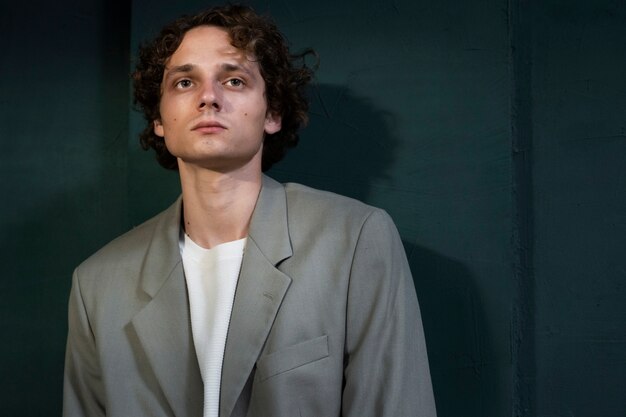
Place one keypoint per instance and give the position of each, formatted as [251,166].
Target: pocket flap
[292,357]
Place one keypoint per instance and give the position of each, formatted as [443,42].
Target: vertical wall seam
[522,315]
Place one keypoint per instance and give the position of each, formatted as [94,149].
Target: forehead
[206,42]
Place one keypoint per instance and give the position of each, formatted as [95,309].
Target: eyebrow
[178,69]
[187,68]
[235,67]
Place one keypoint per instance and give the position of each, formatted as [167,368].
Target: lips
[208,127]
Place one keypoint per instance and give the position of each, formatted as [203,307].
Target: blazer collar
[163,253]
[269,228]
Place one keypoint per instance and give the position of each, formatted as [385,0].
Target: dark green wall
[63,164]
[579,206]
[492,131]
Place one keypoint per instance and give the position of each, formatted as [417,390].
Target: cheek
[170,108]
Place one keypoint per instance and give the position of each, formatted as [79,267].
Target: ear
[158,128]
[272,123]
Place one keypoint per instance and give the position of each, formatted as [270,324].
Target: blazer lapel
[260,291]
[163,326]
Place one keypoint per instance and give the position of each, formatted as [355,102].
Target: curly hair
[285,75]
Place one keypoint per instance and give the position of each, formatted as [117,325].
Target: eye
[185,83]
[235,82]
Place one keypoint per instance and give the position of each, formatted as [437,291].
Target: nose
[209,99]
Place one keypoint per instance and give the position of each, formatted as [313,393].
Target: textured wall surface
[579,198]
[491,130]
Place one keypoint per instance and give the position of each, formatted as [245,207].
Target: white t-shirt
[211,276]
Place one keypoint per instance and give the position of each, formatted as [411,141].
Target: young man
[246,297]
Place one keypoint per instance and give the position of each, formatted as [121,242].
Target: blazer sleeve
[83,392]
[386,372]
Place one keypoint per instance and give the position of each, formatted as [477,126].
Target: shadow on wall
[454,324]
[349,148]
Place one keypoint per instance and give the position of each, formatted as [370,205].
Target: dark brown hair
[285,75]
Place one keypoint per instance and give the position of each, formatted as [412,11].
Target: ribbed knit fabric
[211,276]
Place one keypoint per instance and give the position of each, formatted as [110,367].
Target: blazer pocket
[292,357]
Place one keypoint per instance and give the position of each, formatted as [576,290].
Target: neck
[217,207]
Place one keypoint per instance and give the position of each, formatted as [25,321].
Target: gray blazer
[325,320]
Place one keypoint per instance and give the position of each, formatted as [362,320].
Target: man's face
[213,107]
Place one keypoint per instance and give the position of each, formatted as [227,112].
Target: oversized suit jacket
[325,320]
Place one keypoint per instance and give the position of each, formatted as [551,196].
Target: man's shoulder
[324,199]
[326,206]
[126,249]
